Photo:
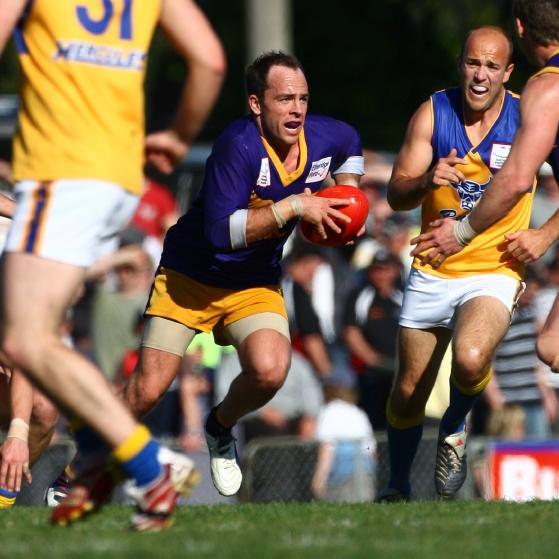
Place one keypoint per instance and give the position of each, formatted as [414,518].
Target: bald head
[492,36]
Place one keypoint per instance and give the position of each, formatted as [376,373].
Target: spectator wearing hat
[370,332]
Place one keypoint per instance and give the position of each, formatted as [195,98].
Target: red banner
[524,471]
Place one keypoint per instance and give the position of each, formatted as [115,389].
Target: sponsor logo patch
[319,170]
[499,154]
[264,175]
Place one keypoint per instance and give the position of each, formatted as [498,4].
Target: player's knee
[142,396]
[12,350]
[547,349]
[470,365]
[269,371]
[407,399]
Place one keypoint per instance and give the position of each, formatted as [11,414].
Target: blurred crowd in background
[343,304]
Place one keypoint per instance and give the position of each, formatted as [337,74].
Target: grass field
[469,529]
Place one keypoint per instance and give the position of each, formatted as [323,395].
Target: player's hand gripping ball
[357,210]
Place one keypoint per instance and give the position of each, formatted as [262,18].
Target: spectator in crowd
[157,210]
[116,307]
[507,423]
[299,286]
[370,333]
[519,377]
[347,446]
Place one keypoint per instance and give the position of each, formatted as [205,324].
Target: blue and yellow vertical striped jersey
[82,113]
[485,254]
[552,67]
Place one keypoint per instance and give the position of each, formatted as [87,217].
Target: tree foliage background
[370,63]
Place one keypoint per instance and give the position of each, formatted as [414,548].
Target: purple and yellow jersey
[82,108]
[485,254]
[552,67]
[244,172]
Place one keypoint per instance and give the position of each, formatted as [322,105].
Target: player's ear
[520,31]
[254,104]
[508,72]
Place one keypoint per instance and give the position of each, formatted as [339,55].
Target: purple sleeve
[350,143]
[227,187]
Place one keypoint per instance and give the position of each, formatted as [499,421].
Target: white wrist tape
[463,232]
[19,429]
[297,205]
[280,221]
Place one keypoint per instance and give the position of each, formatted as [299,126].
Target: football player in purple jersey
[220,267]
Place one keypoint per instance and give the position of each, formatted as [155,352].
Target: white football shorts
[69,220]
[430,301]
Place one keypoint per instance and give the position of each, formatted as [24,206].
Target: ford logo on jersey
[470,192]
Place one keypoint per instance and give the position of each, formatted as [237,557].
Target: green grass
[472,529]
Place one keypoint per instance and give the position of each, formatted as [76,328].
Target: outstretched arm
[192,35]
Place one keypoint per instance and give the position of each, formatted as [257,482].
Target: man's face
[281,113]
[484,68]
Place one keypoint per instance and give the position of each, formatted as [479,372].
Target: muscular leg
[164,343]
[480,325]
[420,353]
[36,294]
[548,339]
[155,372]
[420,356]
[265,356]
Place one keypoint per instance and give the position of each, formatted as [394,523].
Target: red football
[357,210]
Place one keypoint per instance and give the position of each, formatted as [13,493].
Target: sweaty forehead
[282,79]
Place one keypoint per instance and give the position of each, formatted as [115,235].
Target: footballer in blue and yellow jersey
[244,172]
[552,67]
[83,64]
[486,253]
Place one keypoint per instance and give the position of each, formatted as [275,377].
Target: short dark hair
[257,72]
[495,28]
[540,19]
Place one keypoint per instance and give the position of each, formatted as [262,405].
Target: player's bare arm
[14,453]
[411,178]
[534,140]
[192,35]
[321,212]
[529,245]
[10,11]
